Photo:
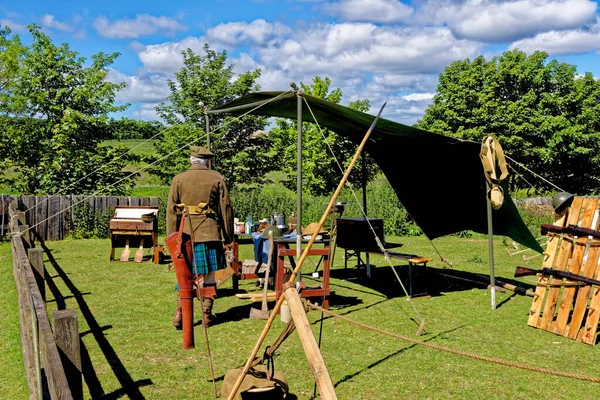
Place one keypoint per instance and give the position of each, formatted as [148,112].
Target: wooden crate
[560,306]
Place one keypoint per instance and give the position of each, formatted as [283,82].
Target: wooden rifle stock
[523,271]
[571,229]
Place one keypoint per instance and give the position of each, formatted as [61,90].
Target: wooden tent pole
[309,344]
[322,368]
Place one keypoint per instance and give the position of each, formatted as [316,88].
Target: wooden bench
[412,260]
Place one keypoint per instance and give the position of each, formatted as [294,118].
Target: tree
[69,103]
[207,79]
[11,54]
[541,111]
[126,128]
[320,170]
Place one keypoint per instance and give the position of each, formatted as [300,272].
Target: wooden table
[284,250]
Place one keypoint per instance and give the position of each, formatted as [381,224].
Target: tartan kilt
[210,257]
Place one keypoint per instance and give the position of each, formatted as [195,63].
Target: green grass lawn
[130,349]
[137,146]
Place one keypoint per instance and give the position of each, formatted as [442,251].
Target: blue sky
[381,50]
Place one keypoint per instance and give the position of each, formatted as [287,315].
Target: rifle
[522,271]
[572,229]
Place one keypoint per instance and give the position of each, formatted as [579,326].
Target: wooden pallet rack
[561,306]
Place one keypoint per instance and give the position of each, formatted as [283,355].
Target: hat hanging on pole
[495,170]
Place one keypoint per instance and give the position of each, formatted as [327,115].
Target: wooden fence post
[36,259]
[66,335]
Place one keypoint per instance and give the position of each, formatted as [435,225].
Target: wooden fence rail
[53,216]
[44,371]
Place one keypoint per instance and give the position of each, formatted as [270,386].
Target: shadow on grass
[376,363]
[425,280]
[129,387]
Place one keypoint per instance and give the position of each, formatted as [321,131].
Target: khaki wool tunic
[199,184]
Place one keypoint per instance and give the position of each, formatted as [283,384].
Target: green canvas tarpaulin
[438,179]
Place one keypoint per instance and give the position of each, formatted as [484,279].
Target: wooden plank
[588,269]
[271,296]
[54,214]
[588,334]
[65,225]
[566,247]
[25,316]
[123,201]
[50,360]
[309,344]
[145,201]
[91,200]
[36,259]
[111,203]
[588,210]
[540,291]
[154,201]
[583,294]
[41,208]
[76,202]
[58,385]
[66,334]
[29,203]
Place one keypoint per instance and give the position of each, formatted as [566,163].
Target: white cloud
[257,32]
[165,58]
[498,21]
[332,49]
[560,42]
[141,25]
[145,89]
[410,82]
[406,111]
[365,60]
[418,96]
[384,11]
[15,26]
[146,111]
[48,21]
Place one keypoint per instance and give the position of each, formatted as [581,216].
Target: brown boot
[207,316]
[177,316]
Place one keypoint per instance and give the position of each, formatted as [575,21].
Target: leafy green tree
[126,128]
[207,79]
[11,55]
[321,148]
[543,113]
[70,102]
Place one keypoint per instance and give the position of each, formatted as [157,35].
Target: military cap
[199,151]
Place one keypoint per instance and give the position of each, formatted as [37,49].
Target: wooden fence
[44,349]
[52,217]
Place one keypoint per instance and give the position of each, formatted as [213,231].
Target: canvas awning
[438,179]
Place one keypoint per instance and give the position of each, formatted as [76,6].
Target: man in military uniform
[204,193]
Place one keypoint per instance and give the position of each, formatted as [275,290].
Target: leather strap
[201,209]
[178,252]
